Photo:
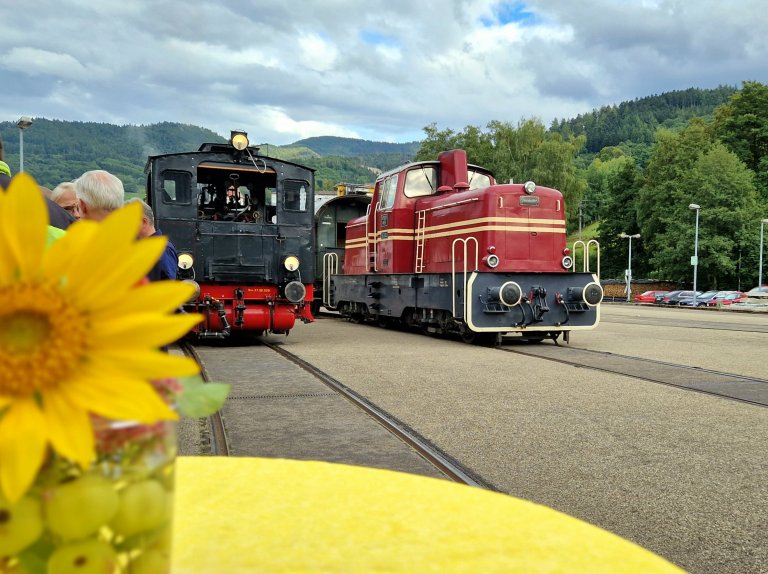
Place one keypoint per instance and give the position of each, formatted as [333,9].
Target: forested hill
[56,150]
[345,147]
[637,121]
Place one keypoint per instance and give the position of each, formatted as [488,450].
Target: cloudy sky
[370,69]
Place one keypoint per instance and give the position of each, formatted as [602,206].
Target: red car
[726,298]
[648,296]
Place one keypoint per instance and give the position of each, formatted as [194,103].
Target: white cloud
[34,62]
[377,70]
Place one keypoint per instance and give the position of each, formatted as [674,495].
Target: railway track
[220,442]
[724,385]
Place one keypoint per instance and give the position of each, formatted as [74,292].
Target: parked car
[662,299]
[727,298]
[648,296]
[701,300]
[674,299]
[758,295]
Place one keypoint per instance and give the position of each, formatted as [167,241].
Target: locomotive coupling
[509,294]
[295,291]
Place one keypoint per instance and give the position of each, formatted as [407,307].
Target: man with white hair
[64,194]
[99,193]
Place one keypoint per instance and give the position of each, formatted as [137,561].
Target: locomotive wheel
[535,338]
[481,339]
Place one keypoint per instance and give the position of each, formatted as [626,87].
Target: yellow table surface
[270,515]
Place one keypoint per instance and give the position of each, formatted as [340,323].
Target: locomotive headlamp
[239,140]
[567,262]
[185,261]
[529,187]
[492,260]
[291,263]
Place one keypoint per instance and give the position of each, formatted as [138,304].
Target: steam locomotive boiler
[445,248]
[242,224]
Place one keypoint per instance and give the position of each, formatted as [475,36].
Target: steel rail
[448,466]
[730,386]
[219,444]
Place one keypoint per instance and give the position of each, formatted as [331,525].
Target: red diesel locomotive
[445,248]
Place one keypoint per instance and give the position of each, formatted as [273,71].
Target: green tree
[691,168]
[662,192]
[517,153]
[619,179]
[742,125]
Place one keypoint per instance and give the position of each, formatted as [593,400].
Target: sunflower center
[42,339]
[24,332]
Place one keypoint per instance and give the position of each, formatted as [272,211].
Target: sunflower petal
[126,399]
[114,237]
[69,428]
[21,459]
[57,261]
[24,220]
[158,296]
[124,268]
[141,330]
[143,363]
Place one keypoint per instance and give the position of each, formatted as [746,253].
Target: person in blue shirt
[168,264]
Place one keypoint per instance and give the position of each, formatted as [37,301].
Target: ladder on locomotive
[421,223]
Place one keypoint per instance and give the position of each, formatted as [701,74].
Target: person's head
[99,193]
[64,194]
[148,218]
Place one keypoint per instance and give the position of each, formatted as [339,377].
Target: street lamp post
[23,123]
[760,272]
[695,258]
[629,264]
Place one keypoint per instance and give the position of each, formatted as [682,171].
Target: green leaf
[201,399]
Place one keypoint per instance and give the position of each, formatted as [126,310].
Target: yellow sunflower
[78,334]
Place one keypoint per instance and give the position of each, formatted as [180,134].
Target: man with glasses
[64,194]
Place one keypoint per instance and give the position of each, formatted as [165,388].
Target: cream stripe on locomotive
[410,235]
[462,227]
[523,220]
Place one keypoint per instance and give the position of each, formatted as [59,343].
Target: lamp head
[238,139]
[24,122]
[694,206]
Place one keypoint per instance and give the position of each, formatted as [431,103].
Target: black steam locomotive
[243,226]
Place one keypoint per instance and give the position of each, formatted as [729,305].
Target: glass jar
[113,518]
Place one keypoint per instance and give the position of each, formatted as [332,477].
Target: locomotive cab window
[478,180]
[420,182]
[295,196]
[175,187]
[388,189]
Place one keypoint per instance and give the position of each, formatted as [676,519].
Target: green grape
[84,557]
[151,562]
[20,524]
[78,508]
[144,505]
